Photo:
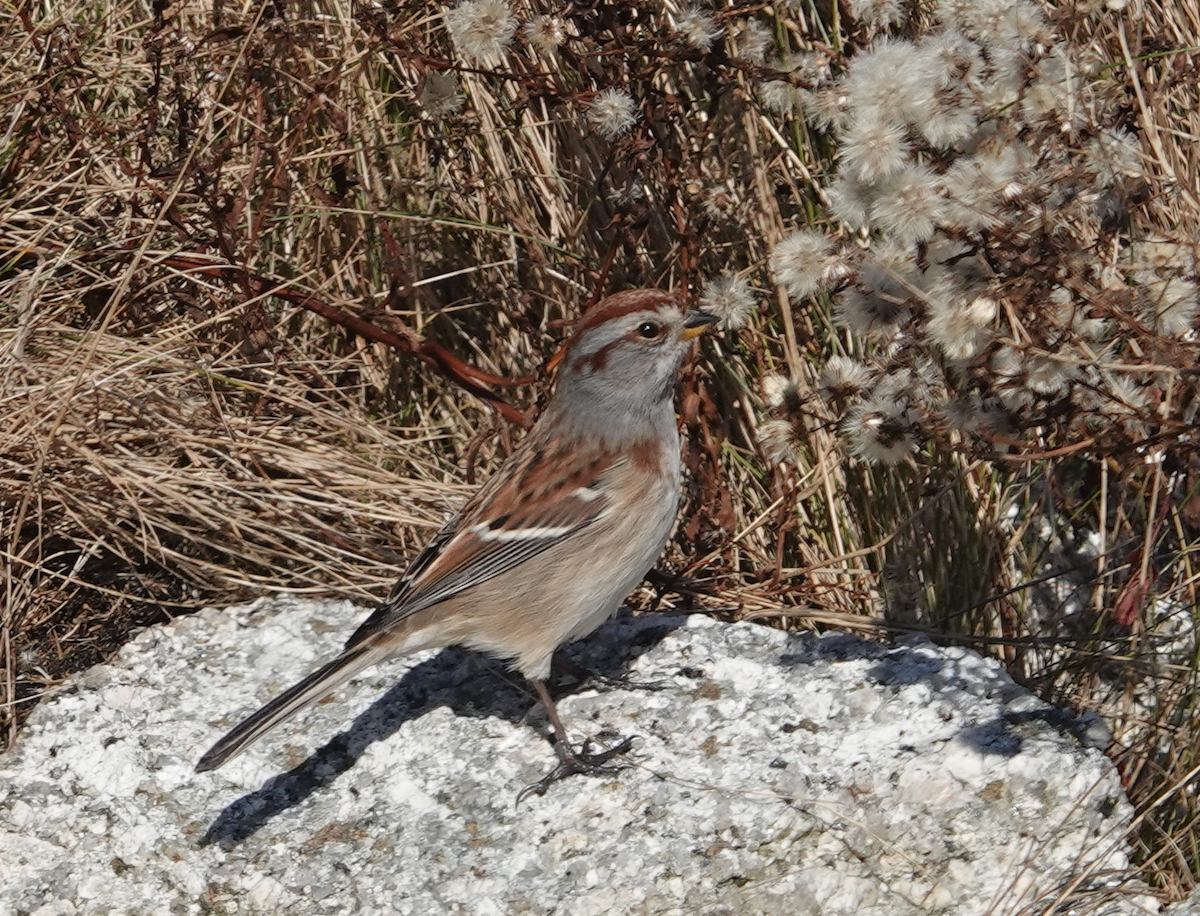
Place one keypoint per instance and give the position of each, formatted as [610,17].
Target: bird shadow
[470,684]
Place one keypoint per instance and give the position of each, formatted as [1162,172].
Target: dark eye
[649,329]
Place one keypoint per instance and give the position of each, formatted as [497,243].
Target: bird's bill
[695,323]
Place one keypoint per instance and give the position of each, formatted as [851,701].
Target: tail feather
[290,702]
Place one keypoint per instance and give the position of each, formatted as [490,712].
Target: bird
[548,548]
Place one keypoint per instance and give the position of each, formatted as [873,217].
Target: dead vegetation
[255,261]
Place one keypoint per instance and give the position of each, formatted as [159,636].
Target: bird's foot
[572,762]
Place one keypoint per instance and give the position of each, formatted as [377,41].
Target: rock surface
[773,773]
[1188,907]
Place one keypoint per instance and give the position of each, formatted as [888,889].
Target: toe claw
[582,762]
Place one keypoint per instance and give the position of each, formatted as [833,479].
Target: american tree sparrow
[548,548]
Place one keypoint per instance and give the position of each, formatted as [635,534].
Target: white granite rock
[773,774]
[1188,907]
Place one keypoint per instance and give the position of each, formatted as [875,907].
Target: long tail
[291,701]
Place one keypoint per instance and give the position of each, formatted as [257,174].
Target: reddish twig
[405,340]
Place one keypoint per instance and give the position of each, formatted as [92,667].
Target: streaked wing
[537,502]
[404,585]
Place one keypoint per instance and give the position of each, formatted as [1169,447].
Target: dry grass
[183,188]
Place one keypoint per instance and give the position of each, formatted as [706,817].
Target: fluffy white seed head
[1052,94]
[781,393]
[1004,81]
[1046,375]
[919,383]
[1019,24]
[967,266]
[881,430]
[545,33]
[809,68]
[828,108]
[979,187]
[1125,395]
[795,93]
[1093,328]
[976,416]
[1008,377]
[892,83]
[954,59]
[872,149]
[1027,376]
[1164,256]
[969,203]
[908,206]
[781,97]
[723,201]
[805,262]
[952,117]
[850,201]
[1010,24]
[1114,401]
[1117,156]
[699,28]
[754,42]
[481,29]
[1171,305]
[776,439]
[890,267]
[731,298]
[882,301]
[613,112]
[879,13]
[773,388]
[842,378]
[982,311]
[439,94]
[957,323]
[871,315]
